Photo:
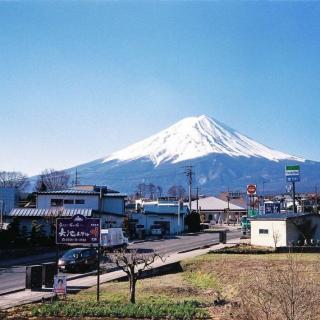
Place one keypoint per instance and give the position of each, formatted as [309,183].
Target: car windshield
[72,254]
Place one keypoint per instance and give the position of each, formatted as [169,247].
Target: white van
[113,238]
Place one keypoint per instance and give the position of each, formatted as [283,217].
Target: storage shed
[282,230]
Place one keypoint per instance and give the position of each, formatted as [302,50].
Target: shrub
[181,310]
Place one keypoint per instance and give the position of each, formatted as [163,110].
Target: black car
[78,259]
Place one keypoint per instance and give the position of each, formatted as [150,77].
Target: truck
[113,238]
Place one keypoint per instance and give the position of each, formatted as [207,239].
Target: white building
[169,214]
[282,230]
[215,209]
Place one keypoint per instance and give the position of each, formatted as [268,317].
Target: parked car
[78,259]
[156,230]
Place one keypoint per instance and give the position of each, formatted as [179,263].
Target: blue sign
[293,178]
[271,207]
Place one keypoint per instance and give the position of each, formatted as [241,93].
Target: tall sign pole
[293,175]
[294,196]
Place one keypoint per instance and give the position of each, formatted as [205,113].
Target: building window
[79,201]
[68,201]
[56,202]
[263,231]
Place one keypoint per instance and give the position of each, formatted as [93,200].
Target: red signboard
[251,189]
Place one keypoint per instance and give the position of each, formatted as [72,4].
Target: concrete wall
[110,204]
[113,204]
[110,221]
[91,202]
[276,232]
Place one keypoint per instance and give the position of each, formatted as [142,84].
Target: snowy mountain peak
[195,137]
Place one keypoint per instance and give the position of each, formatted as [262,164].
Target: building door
[165,226]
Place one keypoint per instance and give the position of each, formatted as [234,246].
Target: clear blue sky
[79,80]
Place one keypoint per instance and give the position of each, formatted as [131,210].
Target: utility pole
[77,178]
[1,213]
[228,209]
[189,174]
[198,200]
[316,189]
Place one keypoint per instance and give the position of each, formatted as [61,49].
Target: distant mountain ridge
[222,158]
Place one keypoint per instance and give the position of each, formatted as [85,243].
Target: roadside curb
[199,248]
[78,276]
[12,291]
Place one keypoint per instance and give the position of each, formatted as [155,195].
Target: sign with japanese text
[78,229]
[292,173]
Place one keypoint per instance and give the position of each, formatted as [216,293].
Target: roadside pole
[178,217]
[316,192]
[198,200]
[228,209]
[1,213]
[292,173]
[99,249]
[294,196]
[57,251]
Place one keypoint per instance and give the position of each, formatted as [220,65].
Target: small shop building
[283,230]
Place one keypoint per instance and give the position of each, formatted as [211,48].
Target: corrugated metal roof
[82,192]
[213,203]
[30,212]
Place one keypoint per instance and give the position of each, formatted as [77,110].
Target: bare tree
[13,179]
[289,292]
[177,191]
[276,235]
[141,190]
[133,264]
[159,191]
[152,190]
[50,180]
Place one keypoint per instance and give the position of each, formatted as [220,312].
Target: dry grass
[204,279]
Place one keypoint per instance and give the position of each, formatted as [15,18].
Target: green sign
[252,212]
[293,168]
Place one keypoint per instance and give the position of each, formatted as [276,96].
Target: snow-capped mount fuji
[222,159]
[196,137]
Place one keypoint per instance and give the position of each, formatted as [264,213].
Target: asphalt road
[13,278]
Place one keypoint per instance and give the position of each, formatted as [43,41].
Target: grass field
[208,287]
